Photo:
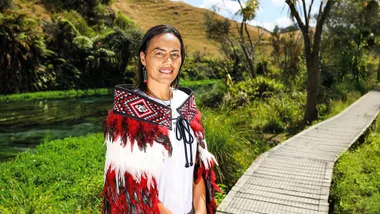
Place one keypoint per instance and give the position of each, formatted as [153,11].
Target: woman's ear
[142,58]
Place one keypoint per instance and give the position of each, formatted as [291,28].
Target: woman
[157,160]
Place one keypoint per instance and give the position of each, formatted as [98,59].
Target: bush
[246,92]
[198,67]
[213,98]
[4,4]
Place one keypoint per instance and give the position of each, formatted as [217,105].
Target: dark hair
[152,32]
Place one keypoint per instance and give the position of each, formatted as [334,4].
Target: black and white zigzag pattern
[130,104]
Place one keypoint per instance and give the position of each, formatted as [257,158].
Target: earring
[145,76]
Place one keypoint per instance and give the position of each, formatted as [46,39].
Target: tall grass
[356,178]
[230,145]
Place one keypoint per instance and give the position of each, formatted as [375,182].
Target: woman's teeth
[166,71]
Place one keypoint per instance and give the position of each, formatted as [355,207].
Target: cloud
[282,22]
[278,3]
[267,25]
[227,8]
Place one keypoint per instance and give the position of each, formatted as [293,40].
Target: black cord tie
[181,129]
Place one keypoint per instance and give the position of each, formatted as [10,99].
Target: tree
[22,46]
[352,39]
[312,43]
[286,53]
[240,48]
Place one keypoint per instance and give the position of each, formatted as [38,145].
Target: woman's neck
[161,91]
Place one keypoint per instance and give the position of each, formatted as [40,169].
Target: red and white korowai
[136,135]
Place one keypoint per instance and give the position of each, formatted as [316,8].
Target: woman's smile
[166,70]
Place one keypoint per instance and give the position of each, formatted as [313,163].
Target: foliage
[79,23]
[85,8]
[239,50]
[59,176]
[277,114]
[4,4]
[198,83]
[123,22]
[56,94]
[246,91]
[286,55]
[22,48]
[222,136]
[214,97]
[348,50]
[197,67]
[356,178]
[90,60]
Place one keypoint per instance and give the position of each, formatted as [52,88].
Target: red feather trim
[196,124]
[197,127]
[211,186]
[142,132]
[133,197]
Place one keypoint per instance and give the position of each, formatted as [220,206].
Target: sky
[269,14]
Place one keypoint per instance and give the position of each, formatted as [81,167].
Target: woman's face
[162,59]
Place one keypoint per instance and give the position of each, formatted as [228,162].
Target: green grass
[61,176]
[338,106]
[195,83]
[356,178]
[56,94]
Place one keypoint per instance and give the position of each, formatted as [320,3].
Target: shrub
[213,98]
[4,4]
[198,67]
[246,91]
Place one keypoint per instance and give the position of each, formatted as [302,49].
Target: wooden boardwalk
[295,176]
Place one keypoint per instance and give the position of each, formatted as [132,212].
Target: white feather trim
[206,157]
[137,163]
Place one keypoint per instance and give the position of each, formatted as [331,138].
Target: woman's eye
[159,54]
[175,55]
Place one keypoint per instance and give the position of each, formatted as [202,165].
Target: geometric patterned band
[129,103]
[188,109]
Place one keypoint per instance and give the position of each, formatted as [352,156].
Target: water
[26,124]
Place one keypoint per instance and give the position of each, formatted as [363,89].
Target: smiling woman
[161,62]
[157,159]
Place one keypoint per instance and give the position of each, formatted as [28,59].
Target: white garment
[175,185]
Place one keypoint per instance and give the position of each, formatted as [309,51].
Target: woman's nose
[168,59]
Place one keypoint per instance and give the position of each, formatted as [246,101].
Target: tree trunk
[312,64]
[378,71]
[311,112]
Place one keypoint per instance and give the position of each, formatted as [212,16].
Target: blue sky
[270,13]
